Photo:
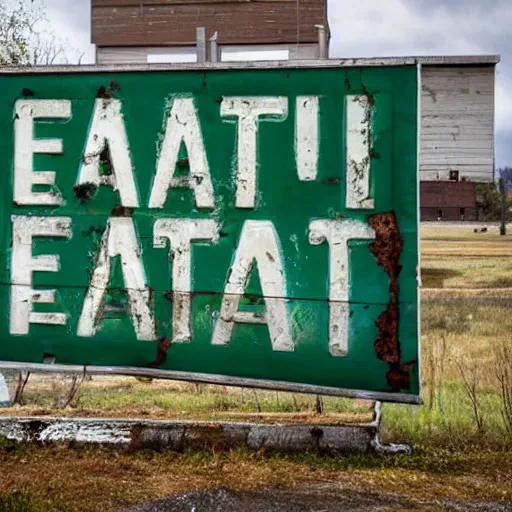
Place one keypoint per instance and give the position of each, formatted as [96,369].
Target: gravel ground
[322,498]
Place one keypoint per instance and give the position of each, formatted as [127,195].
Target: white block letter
[250,110]
[25,146]
[258,243]
[23,264]
[358,153]
[119,239]
[183,126]
[306,137]
[337,233]
[107,127]
[181,233]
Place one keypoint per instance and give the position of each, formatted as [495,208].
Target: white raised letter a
[183,126]
[258,243]
[120,240]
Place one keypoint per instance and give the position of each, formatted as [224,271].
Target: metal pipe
[207,378]
[215,55]
[201,44]
[322,42]
[503,194]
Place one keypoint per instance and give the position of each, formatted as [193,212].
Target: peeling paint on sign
[258,229]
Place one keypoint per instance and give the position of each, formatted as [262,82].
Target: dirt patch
[435,277]
[332,496]
[99,480]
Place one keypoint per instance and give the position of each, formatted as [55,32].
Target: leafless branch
[471,374]
[503,365]
[20,388]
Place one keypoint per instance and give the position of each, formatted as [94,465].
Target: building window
[462,213]
[439,214]
[454,175]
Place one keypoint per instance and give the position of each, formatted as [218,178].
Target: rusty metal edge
[418,216]
[463,60]
[216,379]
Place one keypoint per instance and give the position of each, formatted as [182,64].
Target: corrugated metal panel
[457,125]
[174,24]
[441,194]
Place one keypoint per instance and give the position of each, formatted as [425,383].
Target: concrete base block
[339,439]
[182,435]
[5,398]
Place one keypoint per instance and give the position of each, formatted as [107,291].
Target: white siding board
[457,122]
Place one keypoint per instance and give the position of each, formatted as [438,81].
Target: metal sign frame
[385,224]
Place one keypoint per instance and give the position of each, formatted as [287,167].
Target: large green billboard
[250,226]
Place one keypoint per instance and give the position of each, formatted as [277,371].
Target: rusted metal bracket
[386,449]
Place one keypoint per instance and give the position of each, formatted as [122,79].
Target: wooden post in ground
[503,194]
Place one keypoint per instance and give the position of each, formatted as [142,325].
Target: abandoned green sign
[251,226]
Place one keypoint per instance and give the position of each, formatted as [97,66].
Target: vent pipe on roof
[322,42]
[214,48]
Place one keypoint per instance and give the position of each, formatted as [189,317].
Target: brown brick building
[136,31]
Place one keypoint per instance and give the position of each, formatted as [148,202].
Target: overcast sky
[366,28]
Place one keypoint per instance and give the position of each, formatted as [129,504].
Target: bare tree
[20,388]
[503,365]
[471,374]
[26,37]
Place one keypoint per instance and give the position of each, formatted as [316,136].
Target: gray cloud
[71,22]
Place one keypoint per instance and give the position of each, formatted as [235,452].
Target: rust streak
[108,93]
[182,163]
[387,249]
[122,211]
[85,191]
[161,354]
[331,181]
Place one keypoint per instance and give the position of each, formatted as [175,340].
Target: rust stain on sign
[121,211]
[161,354]
[85,191]
[387,248]
[108,93]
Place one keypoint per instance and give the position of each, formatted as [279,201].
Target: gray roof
[459,60]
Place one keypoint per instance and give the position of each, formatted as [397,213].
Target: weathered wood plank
[457,125]
[236,23]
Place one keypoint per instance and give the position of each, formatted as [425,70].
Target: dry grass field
[462,432]
[466,325]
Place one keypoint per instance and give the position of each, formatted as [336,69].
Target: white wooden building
[457,118]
